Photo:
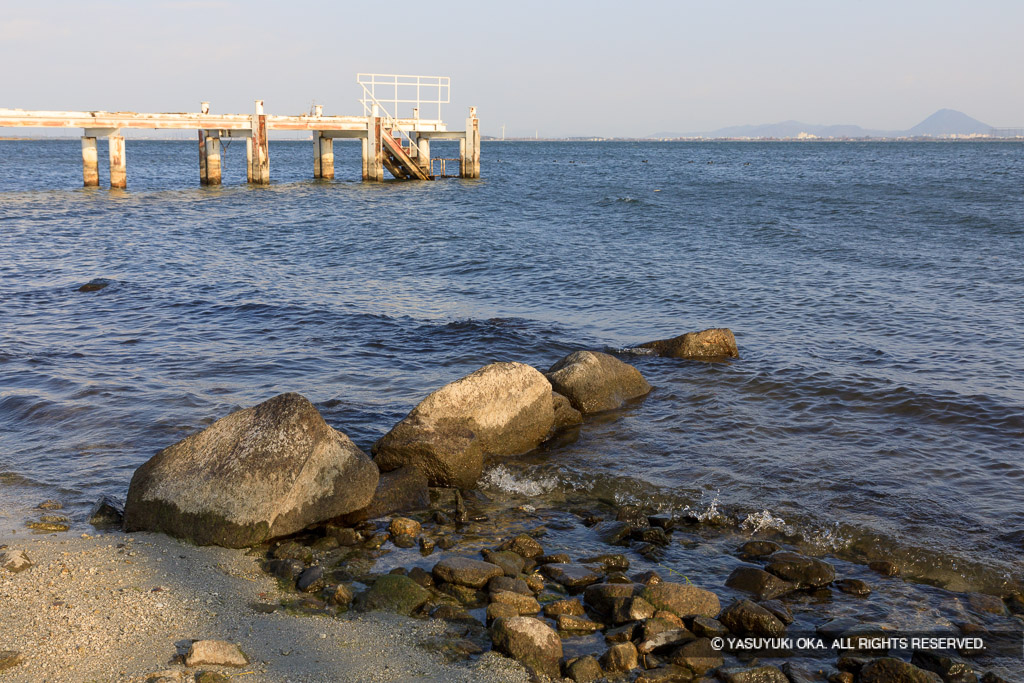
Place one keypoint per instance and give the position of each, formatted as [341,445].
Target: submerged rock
[761,584]
[745,617]
[594,382]
[259,473]
[806,572]
[531,642]
[393,593]
[565,416]
[501,409]
[712,344]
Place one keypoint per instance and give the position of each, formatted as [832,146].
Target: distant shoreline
[601,139]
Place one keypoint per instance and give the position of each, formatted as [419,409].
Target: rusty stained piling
[323,156]
[212,149]
[118,162]
[90,162]
[373,154]
[469,147]
[260,162]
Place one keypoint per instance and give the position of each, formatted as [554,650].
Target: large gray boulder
[594,381]
[714,344]
[266,471]
[501,409]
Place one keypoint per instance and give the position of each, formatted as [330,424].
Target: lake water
[876,291]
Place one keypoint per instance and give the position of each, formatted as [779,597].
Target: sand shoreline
[118,607]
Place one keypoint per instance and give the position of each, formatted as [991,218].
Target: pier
[400,145]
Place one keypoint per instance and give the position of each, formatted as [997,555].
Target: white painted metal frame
[403,87]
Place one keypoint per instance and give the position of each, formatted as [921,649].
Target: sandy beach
[120,607]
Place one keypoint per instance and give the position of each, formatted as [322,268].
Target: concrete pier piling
[388,141]
[118,162]
[90,163]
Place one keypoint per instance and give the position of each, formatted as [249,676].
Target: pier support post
[423,154]
[325,152]
[248,159]
[471,155]
[373,159]
[90,163]
[202,157]
[213,174]
[260,149]
[118,163]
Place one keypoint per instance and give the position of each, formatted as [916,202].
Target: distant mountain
[949,122]
[942,122]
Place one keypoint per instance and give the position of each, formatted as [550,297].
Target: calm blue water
[875,290]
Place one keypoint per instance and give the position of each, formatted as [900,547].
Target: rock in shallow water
[594,382]
[683,600]
[258,473]
[463,571]
[761,584]
[501,409]
[712,344]
[106,512]
[393,593]
[806,572]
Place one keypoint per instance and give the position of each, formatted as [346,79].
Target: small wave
[503,479]
[757,522]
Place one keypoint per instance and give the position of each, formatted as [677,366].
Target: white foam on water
[763,521]
[502,478]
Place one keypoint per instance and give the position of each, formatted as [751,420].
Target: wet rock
[523,545]
[345,536]
[507,583]
[422,577]
[293,550]
[569,622]
[311,580]
[464,571]
[841,677]
[9,659]
[797,674]
[259,473]
[806,572]
[1015,603]
[664,639]
[393,593]
[744,617]
[781,611]
[757,674]
[524,604]
[892,670]
[648,578]
[884,567]
[341,595]
[501,409]
[654,535]
[95,285]
[454,613]
[583,670]
[426,545]
[949,668]
[594,382]
[991,677]
[683,600]
[570,607]
[603,598]
[14,560]
[853,587]
[619,658]
[573,576]
[698,656]
[376,541]
[624,633]
[610,562]
[529,641]
[404,541]
[48,526]
[511,563]
[634,515]
[106,512]
[556,558]
[706,627]
[470,597]
[565,415]
[286,570]
[667,674]
[988,604]
[755,550]
[403,526]
[325,544]
[401,490]
[712,344]
[50,505]
[215,653]
[615,533]
[759,583]
[498,610]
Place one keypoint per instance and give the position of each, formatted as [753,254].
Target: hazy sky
[560,68]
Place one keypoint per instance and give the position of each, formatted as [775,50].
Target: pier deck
[401,145]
